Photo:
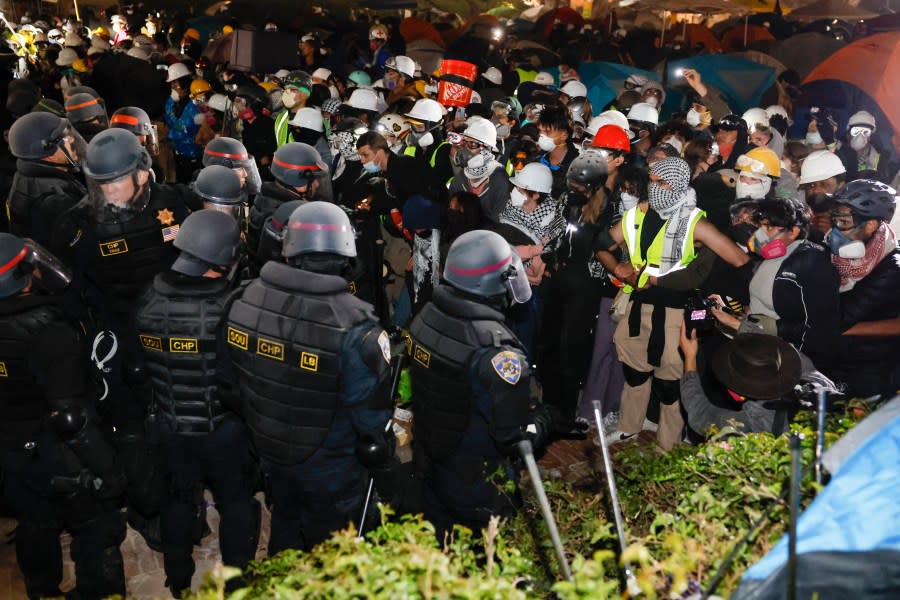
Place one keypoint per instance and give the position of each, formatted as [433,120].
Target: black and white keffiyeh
[545,222]
[674,205]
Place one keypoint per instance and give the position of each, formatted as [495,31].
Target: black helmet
[868,199]
[319,228]
[590,169]
[272,238]
[255,96]
[482,263]
[38,135]
[87,114]
[208,239]
[137,121]
[228,152]
[114,156]
[296,164]
[220,188]
[732,122]
[21,258]
[82,89]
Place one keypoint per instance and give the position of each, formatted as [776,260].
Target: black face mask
[742,232]
[574,198]
[306,136]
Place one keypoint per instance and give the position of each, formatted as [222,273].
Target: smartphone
[679,72]
[461,113]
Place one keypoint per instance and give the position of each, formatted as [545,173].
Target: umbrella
[832,9]
[740,37]
[761,58]
[694,34]
[561,15]
[872,65]
[804,51]
[742,80]
[413,29]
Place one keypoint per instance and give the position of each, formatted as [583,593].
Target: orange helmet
[611,137]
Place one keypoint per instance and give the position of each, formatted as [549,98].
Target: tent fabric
[733,39]
[563,15]
[842,449]
[761,58]
[856,519]
[832,9]
[414,29]
[803,52]
[694,34]
[871,64]
[742,80]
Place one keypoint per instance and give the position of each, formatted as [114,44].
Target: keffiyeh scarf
[674,205]
[852,270]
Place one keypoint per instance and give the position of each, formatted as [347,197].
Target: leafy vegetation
[684,512]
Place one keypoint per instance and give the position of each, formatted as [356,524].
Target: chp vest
[129,254]
[177,329]
[285,336]
[441,348]
[632,226]
[264,206]
[22,404]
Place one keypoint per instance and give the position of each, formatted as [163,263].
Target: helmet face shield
[69,140]
[121,199]
[242,164]
[47,272]
[516,280]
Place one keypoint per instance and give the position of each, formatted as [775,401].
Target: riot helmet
[117,172]
[272,238]
[299,168]
[208,239]
[228,152]
[87,114]
[37,137]
[220,188]
[320,238]
[137,121]
[483,264]
[24,262]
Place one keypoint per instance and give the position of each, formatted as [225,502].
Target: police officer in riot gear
[471,385]
[272,239]
[117,239]
[220,189]
[202,441]
[228,152]
[137,121]
[300,174]
[48,151]
[87,114]
[60,471]
[311,362]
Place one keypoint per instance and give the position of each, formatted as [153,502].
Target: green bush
[684,511]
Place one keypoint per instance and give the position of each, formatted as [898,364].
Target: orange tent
[414,29]
[733,39]
[698,34]
[871,64]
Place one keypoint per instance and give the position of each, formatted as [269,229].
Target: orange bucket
[457,81]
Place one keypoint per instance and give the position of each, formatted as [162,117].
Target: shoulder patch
[508,366]
[384,343]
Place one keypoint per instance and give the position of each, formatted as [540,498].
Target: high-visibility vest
[526,75]
[412,150]
[282,129]
[633,223]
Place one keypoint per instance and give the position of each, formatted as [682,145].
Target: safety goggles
[844,221]
[472,145]
[518,161]
[860,130]
[746,163]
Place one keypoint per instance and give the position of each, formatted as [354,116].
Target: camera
[698,315]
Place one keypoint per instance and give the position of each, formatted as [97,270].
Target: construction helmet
[482,131]
[427,110]
[759,161]
[534,177]
[820,165]
[308,118]
[754,117]
[199,88]
[378,32]
[177,71]
[611,137]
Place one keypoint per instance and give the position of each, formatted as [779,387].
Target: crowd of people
[212,278]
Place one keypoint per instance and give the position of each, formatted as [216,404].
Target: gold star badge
[165,216]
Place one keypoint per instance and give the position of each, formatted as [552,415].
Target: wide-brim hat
[758,366]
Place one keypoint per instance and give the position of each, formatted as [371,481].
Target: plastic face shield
[516,280]
[47,271]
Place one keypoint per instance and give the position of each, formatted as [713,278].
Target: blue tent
[848,540]
[743,81]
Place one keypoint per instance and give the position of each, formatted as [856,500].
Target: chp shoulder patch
[508,365]
[384,343]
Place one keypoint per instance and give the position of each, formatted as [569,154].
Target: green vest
[282,129]
[412,150]
[632,225]
[525,75]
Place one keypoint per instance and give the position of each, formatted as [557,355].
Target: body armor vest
[285,336]
[22,404]
[38,195]
[177,328]
[264,205]
[444,337]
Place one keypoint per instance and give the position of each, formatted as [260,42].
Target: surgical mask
[517,198]
[652,101]
[725,149]
[843,246]
[757,191]
[693,118]
[371,167]
[289,98]
[858,142]
[675,143]
[765,246]
[814,139]
[546,143]
[629,201]
[175,96]
[425,141]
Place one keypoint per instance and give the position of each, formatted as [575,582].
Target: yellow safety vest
[411,151]
[525,75]
[282,130]
[633,223]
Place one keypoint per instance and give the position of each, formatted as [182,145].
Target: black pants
[567,338]
[97,528]
[222,461]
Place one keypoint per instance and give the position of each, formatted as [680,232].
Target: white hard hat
[363,99]
[637,81]
[308,118]
[574,89]
[862,117]
[777,109]
[820,165]
[493,75]
[483,131]
[73,40]
[426,109]
[643,112]
[177,71]
[608,117]
[218,102]
[544,78]
[66,57]
[142,41]
[393,124]
[282,73]
[321,73]
[534,177]
[476,98]
[403,64]
[755,116]
[139,53]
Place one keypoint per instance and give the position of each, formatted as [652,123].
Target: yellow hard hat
[199,87]
[80,65]
[193,34]
[269,86]
[759,161]
[101,31]
[227,29]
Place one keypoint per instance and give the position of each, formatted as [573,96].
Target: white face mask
[756,190]
[426,140]
[675,143]
[289,98]
[693,118]
[652,101]
[517,198]
[334,92]
[629,201]
[858,142]
[546,143]
[175,96]
[814,138]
